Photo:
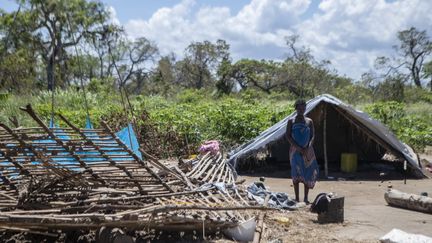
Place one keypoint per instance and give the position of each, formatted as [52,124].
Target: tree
[131,60]
[18,59]
[408,65]
[428,73]
[225,83]
[53,26]
[305,76]
[17,70]
[163,77]
[299,78]
[82,68]
[297,54]
[414,48]
[392,88]
[100,42]
[263,75]
[201,61]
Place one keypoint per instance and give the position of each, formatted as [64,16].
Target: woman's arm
[312,133]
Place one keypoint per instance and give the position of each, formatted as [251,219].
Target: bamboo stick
[158,164]
[260,229]
[217,172]
[124,199]
[176,225]
[213,172]
[221,173]
[31,112]
[199,164]
[137,159]
[185,178]
[29,231]
[103,154]
[204,168]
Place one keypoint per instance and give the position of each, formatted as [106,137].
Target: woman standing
[304,167]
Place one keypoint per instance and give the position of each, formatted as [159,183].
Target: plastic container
[348,162]
[244,232]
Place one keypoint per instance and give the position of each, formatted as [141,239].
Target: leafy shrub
[228,119]
[9,107]
[413,129]
[172,127]
[353,94]
[415,95]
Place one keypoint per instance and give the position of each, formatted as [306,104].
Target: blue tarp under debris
[49,148]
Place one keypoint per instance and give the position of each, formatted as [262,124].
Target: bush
[172,127]
[353,94]
[415,95]
[9,107]
[414,129]
[228,119]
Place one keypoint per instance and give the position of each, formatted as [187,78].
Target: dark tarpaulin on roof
[276,132]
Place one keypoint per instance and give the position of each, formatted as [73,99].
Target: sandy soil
[367,215]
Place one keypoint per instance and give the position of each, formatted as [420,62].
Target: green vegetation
[410,124]
[190,115]
[169,126]
[177,102]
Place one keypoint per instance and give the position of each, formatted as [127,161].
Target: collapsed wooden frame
[68,178]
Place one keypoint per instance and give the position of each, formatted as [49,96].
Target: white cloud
[259,25]
[113,15]
[168,27]
[353,33]
[349,33]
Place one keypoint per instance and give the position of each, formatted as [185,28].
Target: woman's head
[300,106]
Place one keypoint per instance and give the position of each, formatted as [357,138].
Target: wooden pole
[259,228]
[101,152]
[325,142]
[131,153]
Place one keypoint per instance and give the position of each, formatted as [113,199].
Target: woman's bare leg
[296,191]
[306,192]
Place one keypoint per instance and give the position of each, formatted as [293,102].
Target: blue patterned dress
[303,168]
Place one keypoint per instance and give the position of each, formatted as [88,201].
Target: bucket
[348,162]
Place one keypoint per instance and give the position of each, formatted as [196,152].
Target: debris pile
[57,181]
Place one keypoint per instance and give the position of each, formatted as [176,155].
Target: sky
[348,33]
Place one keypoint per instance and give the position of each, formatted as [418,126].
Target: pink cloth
[209,146]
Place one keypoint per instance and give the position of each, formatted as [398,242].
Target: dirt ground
[367,215]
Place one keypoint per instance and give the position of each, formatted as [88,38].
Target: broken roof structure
[56,179]
[347,130]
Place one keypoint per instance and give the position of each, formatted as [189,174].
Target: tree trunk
[408,201]
[199,83]
[415,73]
[101,63]
[416,80]
[50,73]
[63,80]
[431,84]
[50,69]
[139,82]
